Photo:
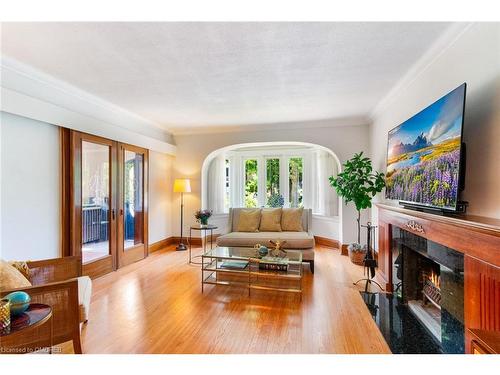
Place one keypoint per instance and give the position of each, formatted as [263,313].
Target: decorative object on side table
[358,183]
[182,185]
[4,313]
[278,248]
[202,216]
[263,250]
[19,302]
[31,319]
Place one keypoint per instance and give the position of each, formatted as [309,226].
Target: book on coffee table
[234,264]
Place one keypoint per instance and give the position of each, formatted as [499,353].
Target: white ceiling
[200,75]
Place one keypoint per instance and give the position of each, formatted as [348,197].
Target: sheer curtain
[325,200]
[216,184]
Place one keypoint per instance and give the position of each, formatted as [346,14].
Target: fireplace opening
[423,293]
[428,280]
[425,312]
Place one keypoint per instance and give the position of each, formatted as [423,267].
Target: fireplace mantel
[478,238]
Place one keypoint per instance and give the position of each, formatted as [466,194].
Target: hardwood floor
[156,306]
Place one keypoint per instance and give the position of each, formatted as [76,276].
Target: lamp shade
[182,185]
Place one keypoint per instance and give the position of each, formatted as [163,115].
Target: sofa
[300,239]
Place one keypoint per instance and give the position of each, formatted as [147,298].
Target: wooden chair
[55,284]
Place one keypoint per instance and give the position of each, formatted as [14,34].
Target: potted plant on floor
[358,183]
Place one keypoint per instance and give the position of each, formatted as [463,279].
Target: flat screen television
[424,155]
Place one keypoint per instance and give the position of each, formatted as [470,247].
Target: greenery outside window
[295,182]
[251,183]
[272,178]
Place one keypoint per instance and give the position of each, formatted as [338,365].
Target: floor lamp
[182,185]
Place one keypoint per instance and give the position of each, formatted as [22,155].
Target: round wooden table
[35,316]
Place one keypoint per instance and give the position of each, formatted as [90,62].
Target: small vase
[204,221]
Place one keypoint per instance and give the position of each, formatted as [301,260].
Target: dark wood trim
[475,223]
[472,235]
[162,244]
[343,250]
[71,199]
[326,242]
[65,186]
[140,251]
[478,238]
[98,268]
[483,342]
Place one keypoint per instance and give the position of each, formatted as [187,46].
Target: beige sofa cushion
[294,240]
[249,220]
[11,278]
[291,219]
[270,220]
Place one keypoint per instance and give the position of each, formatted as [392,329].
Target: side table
[13,338]
[203,230]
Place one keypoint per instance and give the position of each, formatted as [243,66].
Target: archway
[207,162]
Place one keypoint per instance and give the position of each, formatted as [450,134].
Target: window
[278,177]
[251,183]
[272,179]
[295,182]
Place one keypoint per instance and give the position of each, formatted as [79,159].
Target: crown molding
[305,125]
[26,106]
[27,82]
[440,46]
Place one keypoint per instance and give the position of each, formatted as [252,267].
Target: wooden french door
[106,197]
[132,204]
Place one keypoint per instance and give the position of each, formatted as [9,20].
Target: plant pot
[356,253]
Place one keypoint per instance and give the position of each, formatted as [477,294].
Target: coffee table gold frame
[251,277]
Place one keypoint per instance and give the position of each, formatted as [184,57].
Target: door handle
[113,214]
[121,212]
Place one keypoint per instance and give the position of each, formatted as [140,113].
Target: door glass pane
[95,201]
[133,213]
[295,182]
[273,183]
[251,183]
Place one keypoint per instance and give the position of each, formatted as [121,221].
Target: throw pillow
[291,220]
[11,278]
[249,220]
[22,267]
[270,220]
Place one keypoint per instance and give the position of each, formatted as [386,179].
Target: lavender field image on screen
[423,156]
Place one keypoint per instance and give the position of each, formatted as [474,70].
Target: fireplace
[425,313]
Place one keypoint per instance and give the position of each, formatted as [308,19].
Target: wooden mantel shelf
[479,223]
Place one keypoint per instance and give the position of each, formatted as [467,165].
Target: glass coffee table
[242,266]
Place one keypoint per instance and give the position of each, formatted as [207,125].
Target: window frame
[239,158]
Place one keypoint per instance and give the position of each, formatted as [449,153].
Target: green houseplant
[358,183]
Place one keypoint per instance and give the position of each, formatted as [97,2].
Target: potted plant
[358,183]
[276,201]
[202,216]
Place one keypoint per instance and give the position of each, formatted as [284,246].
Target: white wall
[474,57]
[30,208]
[160,196]
[30,190]
[192,150]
